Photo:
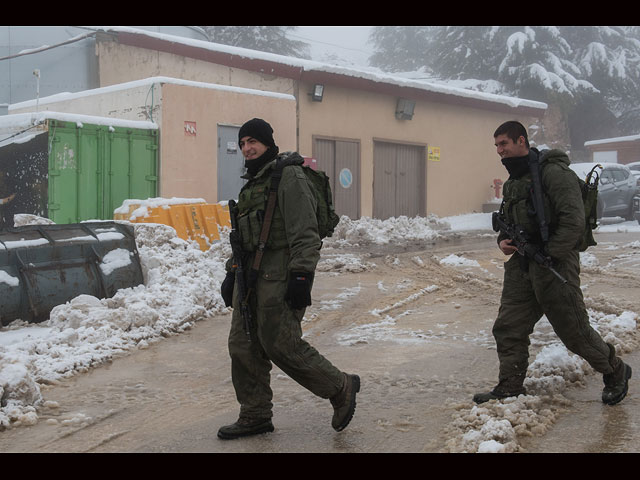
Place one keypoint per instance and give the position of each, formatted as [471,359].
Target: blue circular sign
[346,178]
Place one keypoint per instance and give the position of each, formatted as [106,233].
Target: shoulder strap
[537,191]
[276,176]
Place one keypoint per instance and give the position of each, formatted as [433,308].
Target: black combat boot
[344,403]
[245,427]
[616,383]
[508,387]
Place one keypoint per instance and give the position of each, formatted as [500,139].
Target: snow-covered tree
[591,71]
[269,38]
[399,48]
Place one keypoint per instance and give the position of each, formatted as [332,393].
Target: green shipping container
[92,169]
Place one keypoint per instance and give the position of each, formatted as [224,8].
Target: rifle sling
[268,217]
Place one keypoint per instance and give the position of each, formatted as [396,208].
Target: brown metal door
[398,180]
[384,180]
[340,159]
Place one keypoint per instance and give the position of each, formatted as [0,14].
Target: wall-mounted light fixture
[318,91]
[404,109]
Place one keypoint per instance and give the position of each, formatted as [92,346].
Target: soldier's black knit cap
[258,129]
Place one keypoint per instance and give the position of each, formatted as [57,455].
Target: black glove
[299,290]
[226,289]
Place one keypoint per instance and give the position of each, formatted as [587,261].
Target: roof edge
[306,70]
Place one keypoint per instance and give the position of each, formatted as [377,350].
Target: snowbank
[372,231]
[181,287]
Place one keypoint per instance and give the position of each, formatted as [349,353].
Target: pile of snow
[454,260]
[372,231]
[181,286]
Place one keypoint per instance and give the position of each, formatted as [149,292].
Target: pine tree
[271,39]
[591,73]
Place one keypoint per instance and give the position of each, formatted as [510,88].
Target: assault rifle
[521,242]
[241,282]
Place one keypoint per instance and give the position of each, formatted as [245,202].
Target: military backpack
[589,189]
[325,211]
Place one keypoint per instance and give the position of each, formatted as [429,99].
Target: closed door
[398,180]
[230,163]
[340,160]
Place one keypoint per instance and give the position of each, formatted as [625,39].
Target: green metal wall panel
[94,168]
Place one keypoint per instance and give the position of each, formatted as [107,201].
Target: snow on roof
[371,74]
[143,82]
[24,120]
[630,138]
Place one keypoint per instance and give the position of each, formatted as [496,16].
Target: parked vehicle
[635,170]
[634,167]
[616,188]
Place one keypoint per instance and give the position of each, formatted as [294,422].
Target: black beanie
[258,129]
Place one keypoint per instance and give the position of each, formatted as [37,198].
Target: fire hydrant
[497,183]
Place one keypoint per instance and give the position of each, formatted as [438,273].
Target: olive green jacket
[564,207]
[293,244]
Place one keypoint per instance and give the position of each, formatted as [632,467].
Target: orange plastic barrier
[194,221]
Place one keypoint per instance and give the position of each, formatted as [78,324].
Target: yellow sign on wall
[434,154]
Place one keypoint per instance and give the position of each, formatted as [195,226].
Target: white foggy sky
[349,42]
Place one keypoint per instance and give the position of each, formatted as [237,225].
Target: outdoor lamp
[318,90]
[404,109]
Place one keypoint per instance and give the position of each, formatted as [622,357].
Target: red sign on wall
[190,129]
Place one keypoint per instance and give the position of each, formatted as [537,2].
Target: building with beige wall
[192,119]
[438,157]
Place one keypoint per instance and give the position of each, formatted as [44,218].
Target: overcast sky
[344,41]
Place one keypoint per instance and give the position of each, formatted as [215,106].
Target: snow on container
[42,266]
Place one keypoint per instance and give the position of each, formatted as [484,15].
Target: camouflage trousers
[276,336]
[526,296]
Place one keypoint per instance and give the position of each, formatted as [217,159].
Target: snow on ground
[182,285]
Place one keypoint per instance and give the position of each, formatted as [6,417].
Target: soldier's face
[507,148]
[251,148]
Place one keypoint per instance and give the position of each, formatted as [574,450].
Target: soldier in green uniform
[282,291]
[531,290]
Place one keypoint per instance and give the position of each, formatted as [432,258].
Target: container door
[130,163]
[230,163]
[94,168]
[23,178]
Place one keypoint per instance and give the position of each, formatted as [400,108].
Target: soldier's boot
[344,403]
[616,383]
[508,387]
[245,427]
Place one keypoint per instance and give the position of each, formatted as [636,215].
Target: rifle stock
[241,281]
[525,248]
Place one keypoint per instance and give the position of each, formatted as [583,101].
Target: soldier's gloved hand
[226,289]
[299,290]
